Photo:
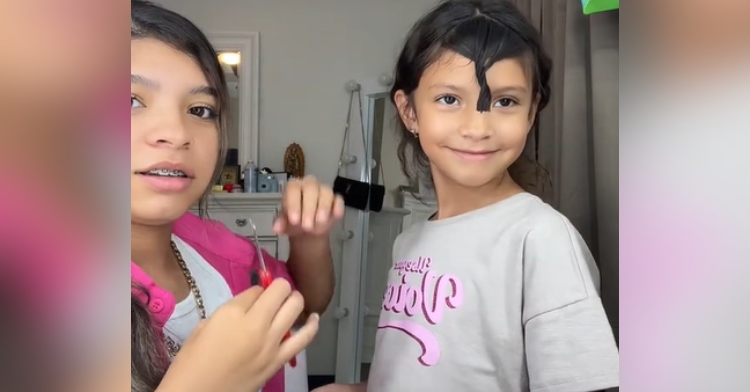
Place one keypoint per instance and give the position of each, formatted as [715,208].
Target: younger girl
[496,291]
[184,267]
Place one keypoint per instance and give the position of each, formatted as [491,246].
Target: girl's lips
[474,155]
[169,166]
[166,184]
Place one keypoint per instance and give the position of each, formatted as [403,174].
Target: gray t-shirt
[503,298]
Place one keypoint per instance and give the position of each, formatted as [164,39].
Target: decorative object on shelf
[232,157]
[594,6]
[357,194]
[294,161]
[267,183]
[251,177]
[282,178]
[230,174]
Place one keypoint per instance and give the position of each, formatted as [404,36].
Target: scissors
[263,278]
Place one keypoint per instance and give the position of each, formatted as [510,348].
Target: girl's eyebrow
[440,86]
[495,91]
[152,84]
[144,81]
[205,90]
[509,90]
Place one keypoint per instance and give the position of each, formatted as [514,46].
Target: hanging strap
[346,131]
[362,122]
[362,128]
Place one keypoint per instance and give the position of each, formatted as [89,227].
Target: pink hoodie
[230,254]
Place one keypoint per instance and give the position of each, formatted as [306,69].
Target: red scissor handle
[265,281]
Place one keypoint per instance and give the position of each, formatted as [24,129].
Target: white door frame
[248,44]
[354,250]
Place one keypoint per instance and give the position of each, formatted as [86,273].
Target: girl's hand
[239,348]
[308,208]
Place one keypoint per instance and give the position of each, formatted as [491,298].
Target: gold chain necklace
[172,346]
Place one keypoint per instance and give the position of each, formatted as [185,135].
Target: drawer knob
[241,222]
[346,235]
[341,313]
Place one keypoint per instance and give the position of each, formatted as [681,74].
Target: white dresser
[237,210]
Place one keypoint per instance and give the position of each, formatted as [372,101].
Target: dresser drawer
[239,221]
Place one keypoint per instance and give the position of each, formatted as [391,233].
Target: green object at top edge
[594,6]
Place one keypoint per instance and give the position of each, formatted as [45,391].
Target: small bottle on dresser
[251,177]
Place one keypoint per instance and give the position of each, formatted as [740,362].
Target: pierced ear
[405,109]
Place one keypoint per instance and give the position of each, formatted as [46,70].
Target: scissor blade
[261,259]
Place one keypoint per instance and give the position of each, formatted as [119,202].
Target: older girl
[184,267]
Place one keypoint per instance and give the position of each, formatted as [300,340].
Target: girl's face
[467,147]
[174,142]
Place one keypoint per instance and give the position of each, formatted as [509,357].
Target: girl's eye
[448,100]
[506,102]
[204,112]
[135,103]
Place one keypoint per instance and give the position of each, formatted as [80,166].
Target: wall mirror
[239,56]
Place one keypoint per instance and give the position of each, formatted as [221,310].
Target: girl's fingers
[286,316]
[326,200]
[245,300]
[292,202]
[298,341]
[269,302]
[310,199]
[338,207]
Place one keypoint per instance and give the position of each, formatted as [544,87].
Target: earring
[414,133]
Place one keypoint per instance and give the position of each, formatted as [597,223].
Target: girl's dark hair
[148,356]
[484,31]
[148,20]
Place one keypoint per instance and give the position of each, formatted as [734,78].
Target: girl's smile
[474,155]
[167,177]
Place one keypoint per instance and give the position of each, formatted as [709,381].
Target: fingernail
[293,218]
[314,317]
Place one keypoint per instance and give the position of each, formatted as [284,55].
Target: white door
[352,309]
[353,259]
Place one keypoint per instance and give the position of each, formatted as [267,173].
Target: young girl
[496,291]
[183,267]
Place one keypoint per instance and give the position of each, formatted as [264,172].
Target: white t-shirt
[213,288]
[503,298]
[215,292]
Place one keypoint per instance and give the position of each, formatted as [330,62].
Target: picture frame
[230,174]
